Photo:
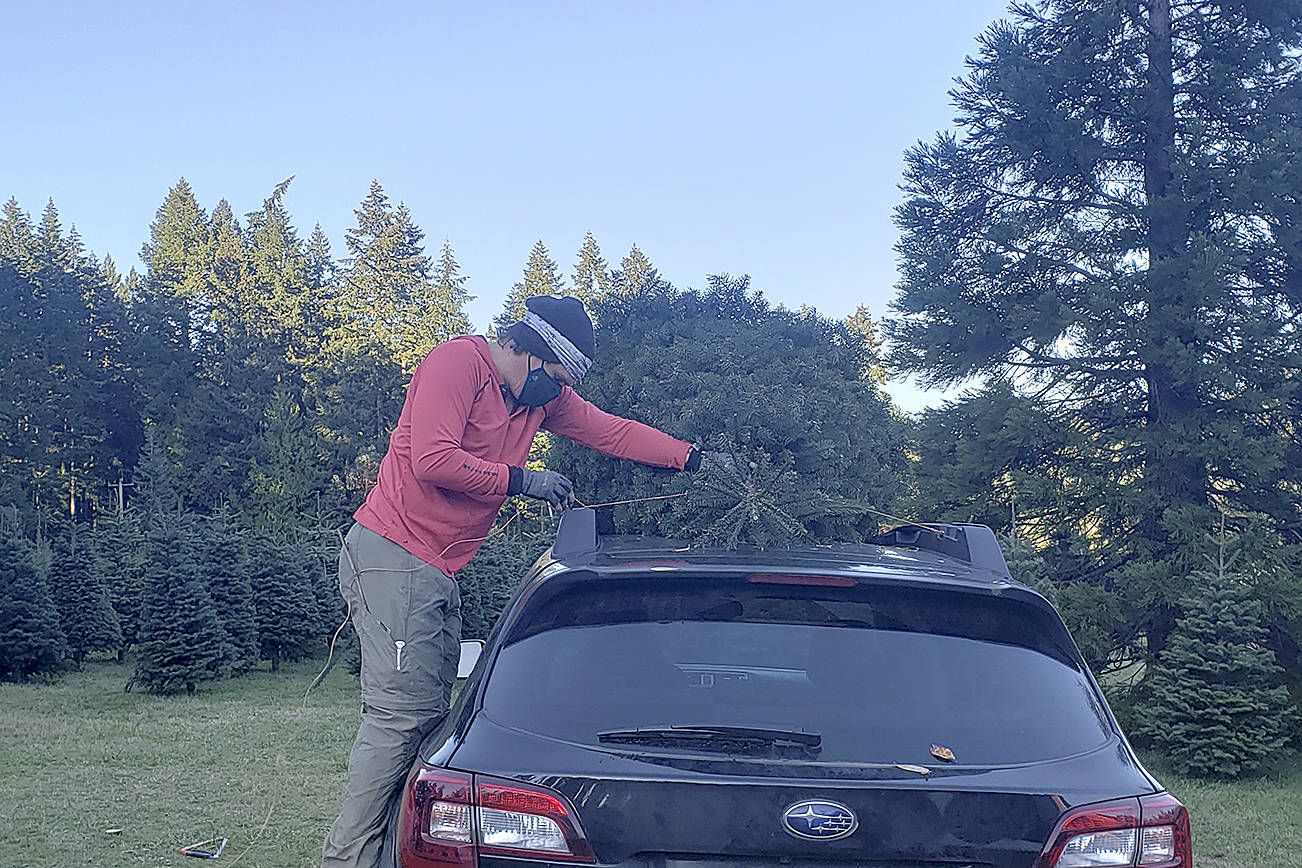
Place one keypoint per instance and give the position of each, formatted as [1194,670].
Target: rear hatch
[774,720]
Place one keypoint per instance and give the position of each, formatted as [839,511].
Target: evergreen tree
[182,641]
[450,288]
[225,569]
[387,292]
[289,467]
[31,642]
[591,278]
[1215,705]
[288,317]
[784,390]
[86,614]
[72,414]
[636,274]
[118,561]
[491,577]
[284,601]
[1109,229]
[860,323]
[542,276]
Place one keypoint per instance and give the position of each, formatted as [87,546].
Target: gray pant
[407,614]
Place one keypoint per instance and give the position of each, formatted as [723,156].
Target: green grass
[80,756]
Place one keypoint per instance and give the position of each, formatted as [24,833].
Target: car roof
[947,553]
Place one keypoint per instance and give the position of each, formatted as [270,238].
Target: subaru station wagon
[900,704]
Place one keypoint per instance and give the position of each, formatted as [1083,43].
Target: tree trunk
[1174,472]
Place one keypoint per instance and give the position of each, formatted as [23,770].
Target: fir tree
[284,601]
[636,274]
[31,642]
[783,390]
[118,561]
[1108,229]
[182,641]
[17,236]
[450,291]
[71,410]
[542,276]
[591,278]
[288,468]
[387,293]
[1214,704]
[860,323]
[225,568]
[86,614]
[491,577]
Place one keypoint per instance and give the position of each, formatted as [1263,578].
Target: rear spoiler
[974,544]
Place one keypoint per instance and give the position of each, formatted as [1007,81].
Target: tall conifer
[86,614]
[591,277]
[31,642]
[542,276]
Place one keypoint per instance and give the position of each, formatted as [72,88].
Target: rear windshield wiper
[728,739]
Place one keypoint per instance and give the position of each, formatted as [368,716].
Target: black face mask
[539,388]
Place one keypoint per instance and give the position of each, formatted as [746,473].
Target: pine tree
[31,642]
[591,278]
[225,569]
[284,600]
[1215,705]
[86,614]
[182,641]
[542,276]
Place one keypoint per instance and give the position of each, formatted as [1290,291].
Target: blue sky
[743,137]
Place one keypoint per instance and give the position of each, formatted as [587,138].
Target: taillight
[1152,831]
[449,818]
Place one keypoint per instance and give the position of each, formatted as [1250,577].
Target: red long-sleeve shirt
[445,475]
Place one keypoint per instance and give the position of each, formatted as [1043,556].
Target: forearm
[450,467]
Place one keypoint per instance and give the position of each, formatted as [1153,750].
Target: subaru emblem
[820,820]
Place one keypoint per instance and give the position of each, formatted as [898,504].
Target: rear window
[881,674]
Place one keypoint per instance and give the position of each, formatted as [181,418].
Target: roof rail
[972,543]
[975,544]
[576,535]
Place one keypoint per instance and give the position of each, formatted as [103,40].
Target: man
[469,419]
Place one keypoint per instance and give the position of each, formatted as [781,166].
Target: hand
[548,485]
[720,461]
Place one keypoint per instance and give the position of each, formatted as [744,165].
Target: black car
[902,704]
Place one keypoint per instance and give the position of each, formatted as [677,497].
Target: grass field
[80,757]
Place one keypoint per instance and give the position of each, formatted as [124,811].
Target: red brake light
[436,824]
[449,818]
[1152,831]
[811,581]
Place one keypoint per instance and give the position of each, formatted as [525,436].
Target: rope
[633,500]
[280,754]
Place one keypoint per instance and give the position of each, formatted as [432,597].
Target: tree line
[1106,250]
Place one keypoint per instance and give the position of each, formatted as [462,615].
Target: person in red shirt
[469,419]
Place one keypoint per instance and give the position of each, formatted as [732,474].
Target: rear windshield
[880,674]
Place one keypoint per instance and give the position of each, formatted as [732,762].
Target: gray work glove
[717,461]
[548,485]
[720,461]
